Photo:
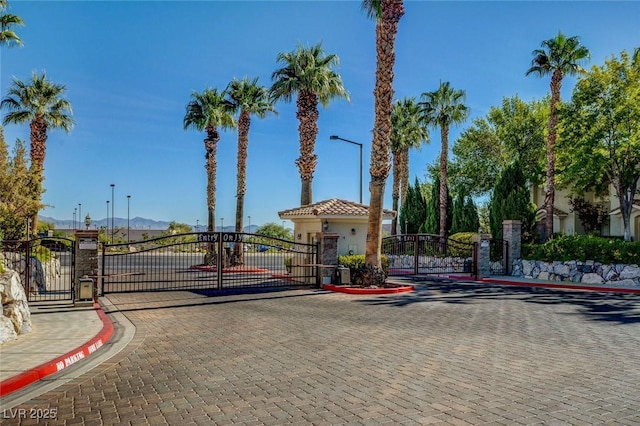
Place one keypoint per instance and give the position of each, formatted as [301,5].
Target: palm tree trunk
[210,146]
[307,115]
[244,121]
[38,138]
[404,173]
[444,158]
[550,190]
[395,194]
[386,30]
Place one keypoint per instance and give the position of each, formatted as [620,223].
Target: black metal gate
[417,254]
[46,266]
[498,254]
[207,261]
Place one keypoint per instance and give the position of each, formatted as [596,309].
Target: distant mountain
[134,223]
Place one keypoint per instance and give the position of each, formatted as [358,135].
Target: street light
[112,205]
[197,225]
[128,200]
[75,210]
[106,235]
[334,137]
[87,221]
[222,224]
[79,215]
[249,223]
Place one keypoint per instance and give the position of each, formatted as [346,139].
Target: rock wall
[589,272]
[16,317]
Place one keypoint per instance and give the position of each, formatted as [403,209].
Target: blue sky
[131,66]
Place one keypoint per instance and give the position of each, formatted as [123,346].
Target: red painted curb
[28,377]
[230,271]
[562,286]
[352,290]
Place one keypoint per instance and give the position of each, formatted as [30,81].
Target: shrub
[584,247]
[355,263]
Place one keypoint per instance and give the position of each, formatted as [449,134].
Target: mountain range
[134,223]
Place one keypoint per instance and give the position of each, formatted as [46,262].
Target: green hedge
[584,247]
[356,261]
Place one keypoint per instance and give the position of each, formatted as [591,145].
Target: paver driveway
[445,354]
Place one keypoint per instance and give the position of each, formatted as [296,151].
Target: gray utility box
[86,289]
[343,275]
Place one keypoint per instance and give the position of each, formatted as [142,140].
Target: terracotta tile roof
[333,207]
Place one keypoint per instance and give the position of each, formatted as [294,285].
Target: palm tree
[8,36]
[308,73]
[442,108]
[208,111]
[387,14]
[40,103]
[246,97]
[407,131]
[558,56]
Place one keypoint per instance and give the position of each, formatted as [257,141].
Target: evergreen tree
[432,222]
[414,210]
[465,215]
[511,200]
[18,191]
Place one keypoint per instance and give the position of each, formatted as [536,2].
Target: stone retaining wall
[15,317]
[589,272]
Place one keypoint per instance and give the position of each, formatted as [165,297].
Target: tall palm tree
[407,131]
[442,108]
[247,97]
[387,14]
[8,36]
[40,103]
[208,111]
[558,56]
[308,73]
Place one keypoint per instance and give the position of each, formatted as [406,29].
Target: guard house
[348,219]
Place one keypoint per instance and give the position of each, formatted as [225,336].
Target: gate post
[328,256]
[86,262]
[483,255]
[512,234]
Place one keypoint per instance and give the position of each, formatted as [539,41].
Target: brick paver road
[445,354]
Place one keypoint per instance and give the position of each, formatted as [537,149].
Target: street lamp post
[75,210]
[197,225]
[128,201]
[112,204]
[79,215]
[106,234]
[222,224]
[249,223]
[334,137]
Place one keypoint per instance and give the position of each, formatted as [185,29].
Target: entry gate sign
[214,237]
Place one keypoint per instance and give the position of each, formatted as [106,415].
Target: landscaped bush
[583,248]
[355,263]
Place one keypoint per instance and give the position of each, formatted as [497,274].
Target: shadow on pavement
[621,308]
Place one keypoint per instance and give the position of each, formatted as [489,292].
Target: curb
[351,290]
[561,286]
[28,377]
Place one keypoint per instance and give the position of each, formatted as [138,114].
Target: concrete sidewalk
[62,336]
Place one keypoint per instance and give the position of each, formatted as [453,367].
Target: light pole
[197,225]
[222,224]
[75,210]
[128,201]
[106,235]
[334,137]
[249,223]
[112,204]
[79,215]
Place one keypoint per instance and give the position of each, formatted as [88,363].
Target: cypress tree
[465,215]
[511,200]
[432,223]
[413,211]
